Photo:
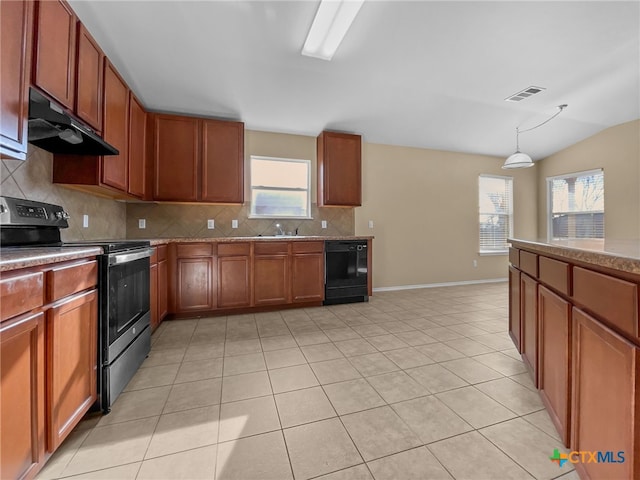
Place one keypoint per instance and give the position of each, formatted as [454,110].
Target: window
[280,188]
[576,205]
[496,213]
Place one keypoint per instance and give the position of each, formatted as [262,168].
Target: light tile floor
[415,384]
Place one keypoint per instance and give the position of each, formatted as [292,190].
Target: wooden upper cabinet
[89,78]
[176,158]
[339,169]
[222,161]
[54,68]
[115,168]
[16,30]
[137,147]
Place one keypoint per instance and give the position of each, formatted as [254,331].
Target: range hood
[51,129]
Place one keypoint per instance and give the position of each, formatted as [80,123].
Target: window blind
[496,213]
[576,205]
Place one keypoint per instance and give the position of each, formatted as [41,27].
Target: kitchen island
[573,315]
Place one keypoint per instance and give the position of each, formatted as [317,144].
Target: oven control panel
[28,213]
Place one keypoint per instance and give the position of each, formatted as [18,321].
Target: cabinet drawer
[271,248]
[20,293]
[307,247]
[555,274]
[615,300]
[154,256]
[195,250]
[225,249]
[514,256]
[68,279]
[161,252]
[529,263]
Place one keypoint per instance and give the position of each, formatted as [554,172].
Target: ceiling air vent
[526,93]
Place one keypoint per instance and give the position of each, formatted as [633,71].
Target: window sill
[272,217]
[489,253]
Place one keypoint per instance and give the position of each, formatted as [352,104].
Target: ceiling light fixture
[522,160]
[330,25]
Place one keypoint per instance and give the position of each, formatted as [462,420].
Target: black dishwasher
[345,278]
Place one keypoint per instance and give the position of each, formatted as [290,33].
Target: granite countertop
[12,258]
[279,238]
[623,255]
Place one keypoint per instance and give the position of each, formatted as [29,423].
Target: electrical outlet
[475,264]
[211,224]
[85,221]
[234,223]
[142,223]
[370,223]
[324,224]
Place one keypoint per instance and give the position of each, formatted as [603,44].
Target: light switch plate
[142,223]
[211,224]
[234,223]
[370,223]
[324,224]
[85,221]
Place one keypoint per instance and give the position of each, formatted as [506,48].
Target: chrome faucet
[279,230]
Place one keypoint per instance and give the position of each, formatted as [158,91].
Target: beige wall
[617,151]
[165,220]
[32,179]
[424,205]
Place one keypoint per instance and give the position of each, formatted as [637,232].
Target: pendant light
[522,160]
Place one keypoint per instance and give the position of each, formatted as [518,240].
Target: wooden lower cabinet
[529,323]
[514,307]
[234,286]
[271,279]
[22,396]
[71,363]
[605,403]
[307,277]
[194,284]
[554,358]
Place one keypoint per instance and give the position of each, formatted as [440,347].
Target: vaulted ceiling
[425,74]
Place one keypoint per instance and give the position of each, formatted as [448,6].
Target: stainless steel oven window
[128,296]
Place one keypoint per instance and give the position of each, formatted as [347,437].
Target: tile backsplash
[113,219]
[164,220]
[32,179]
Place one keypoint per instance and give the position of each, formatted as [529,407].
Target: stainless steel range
[124,318]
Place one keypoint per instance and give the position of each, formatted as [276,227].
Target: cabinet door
[222,161]
[233,282]
[514,307]
[55,50]
[153,295]
[176,151]
[339,169]
[16,27]
[71,363]
[271,279]
[307,277]
[115,168]
[529,322]
[604,398]
[90,72]
[22,395]
[194,284]
[554,358]
[137,147]
[162,290]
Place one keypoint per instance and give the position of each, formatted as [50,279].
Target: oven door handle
[119,258]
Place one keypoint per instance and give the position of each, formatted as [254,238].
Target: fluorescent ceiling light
[330,25]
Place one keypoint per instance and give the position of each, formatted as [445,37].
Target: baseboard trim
[434,285]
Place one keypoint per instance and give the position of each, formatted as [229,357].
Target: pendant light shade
[522,160]
[518,160]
